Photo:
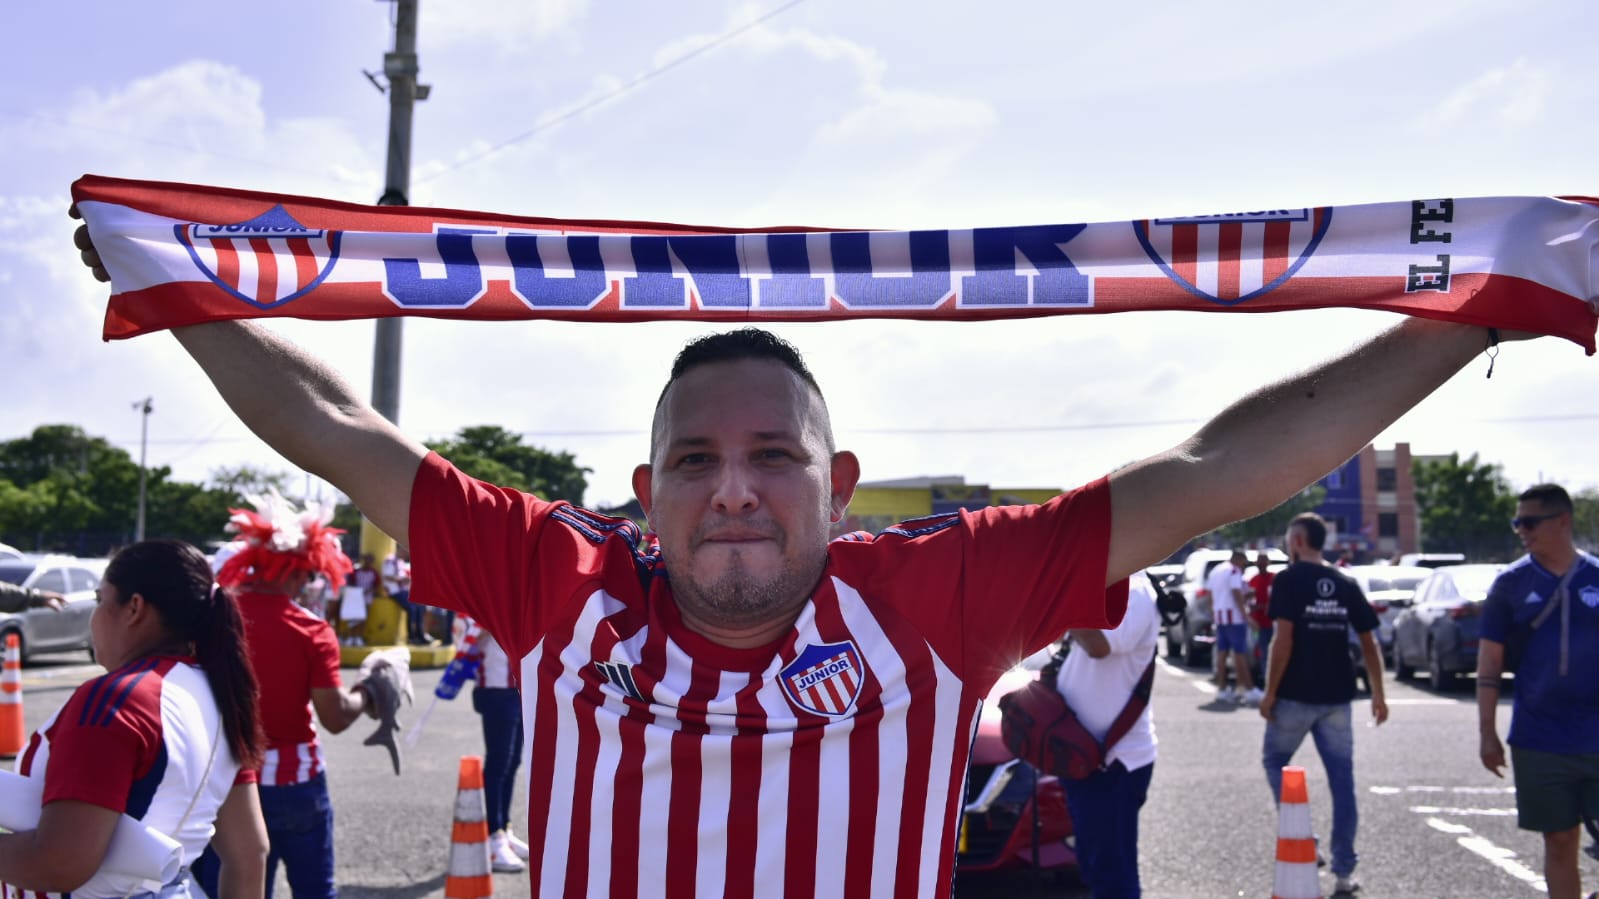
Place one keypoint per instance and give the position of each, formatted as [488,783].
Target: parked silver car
[49,630]
[1192,637]
[1390,590]
[1438,633]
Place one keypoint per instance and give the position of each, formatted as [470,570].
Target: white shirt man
[1226,585]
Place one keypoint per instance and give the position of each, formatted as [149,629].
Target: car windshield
[1383,584]
[15,574]
[1472,582]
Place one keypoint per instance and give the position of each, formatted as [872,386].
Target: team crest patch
[825,679]
[266,261]
[1229,259]
[1589,597]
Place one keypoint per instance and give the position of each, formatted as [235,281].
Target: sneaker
[1226,694]
[1346,885]
[501,859]
[516,844]
[1254,696]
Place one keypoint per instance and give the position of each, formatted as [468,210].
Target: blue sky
[893,114]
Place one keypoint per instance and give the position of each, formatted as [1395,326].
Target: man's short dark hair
[1314,526]
[1550,496]
[736,346]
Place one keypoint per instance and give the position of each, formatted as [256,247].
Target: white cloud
[511,27]
[1512,96]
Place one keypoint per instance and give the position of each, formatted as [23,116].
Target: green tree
[493,454]
[242,480]
[77,493]
[1271,524]
[1465,506]
[1585,518]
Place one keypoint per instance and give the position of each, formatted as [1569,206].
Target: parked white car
[50,630]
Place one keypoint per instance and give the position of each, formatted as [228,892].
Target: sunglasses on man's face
[1530,521]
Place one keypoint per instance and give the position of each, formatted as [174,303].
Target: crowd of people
[735,669]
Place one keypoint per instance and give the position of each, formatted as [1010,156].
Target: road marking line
[1390,791]
[1498,856]
[1468,812]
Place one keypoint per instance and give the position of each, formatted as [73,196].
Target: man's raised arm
[1279,439]
[302,408]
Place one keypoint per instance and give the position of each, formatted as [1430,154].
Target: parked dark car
[49,630]
[1438,632]
[1015,817]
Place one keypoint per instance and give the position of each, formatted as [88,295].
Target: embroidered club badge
[825,679]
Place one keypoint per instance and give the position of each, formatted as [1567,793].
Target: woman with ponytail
[296,657]
[169,736]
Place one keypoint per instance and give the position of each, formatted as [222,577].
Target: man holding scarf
[769,715]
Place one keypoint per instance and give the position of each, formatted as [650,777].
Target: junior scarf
[182,254]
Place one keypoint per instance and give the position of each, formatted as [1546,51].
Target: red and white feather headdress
[277,540]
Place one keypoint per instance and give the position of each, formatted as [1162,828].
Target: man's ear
[846,473]
[643,479]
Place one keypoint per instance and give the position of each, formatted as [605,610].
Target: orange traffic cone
[1296,843]
[469,876]
[13,734]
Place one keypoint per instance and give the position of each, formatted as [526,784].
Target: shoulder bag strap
[1135,705]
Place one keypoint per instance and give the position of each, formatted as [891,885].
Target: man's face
[741,490]
[1539,534]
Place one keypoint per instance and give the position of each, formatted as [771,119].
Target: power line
[611,95]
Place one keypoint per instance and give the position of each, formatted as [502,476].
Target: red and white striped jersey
[829,763]
[138,740]
[292,653]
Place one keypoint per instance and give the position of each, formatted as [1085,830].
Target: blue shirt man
[1546,605]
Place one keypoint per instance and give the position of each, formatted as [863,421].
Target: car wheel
[1401,670]
[1437,677]
[22,645]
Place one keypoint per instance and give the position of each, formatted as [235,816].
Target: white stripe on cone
[470,806]
[469,859]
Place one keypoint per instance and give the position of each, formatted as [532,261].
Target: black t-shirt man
[1323,603]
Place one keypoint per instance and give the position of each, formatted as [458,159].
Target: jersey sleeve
[324,657]
[1282,601]
[105,740]
[991,586]
[494,553]
[1362,617]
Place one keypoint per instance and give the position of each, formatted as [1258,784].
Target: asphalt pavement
[1433,822]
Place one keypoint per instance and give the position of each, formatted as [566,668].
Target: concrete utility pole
[144,408]
[400,68]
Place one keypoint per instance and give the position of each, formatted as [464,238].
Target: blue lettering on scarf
[711,261]
[582,288]
[997,283]
[858,286]
[1010,267]
[462,282]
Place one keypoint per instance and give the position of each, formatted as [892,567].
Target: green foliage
[62,490]
[68,491]
[1270,525]
[1585,518]
[493,454]
[1465,506]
